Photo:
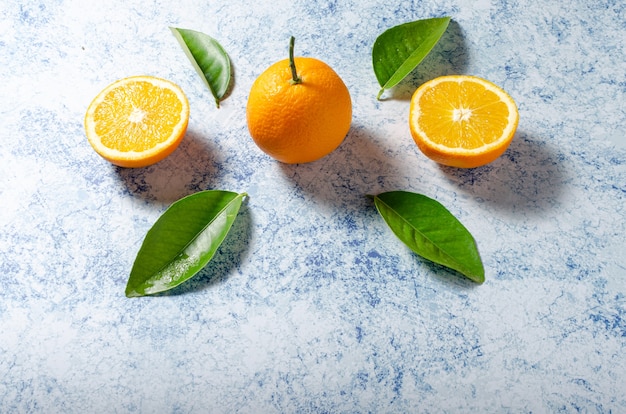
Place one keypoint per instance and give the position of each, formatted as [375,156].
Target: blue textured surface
[312,305]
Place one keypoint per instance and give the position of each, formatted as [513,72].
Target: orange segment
[137,121]
[462,121]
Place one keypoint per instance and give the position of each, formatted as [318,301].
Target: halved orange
[137,121]
[462,121]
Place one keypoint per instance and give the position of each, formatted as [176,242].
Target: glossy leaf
[208,58]
[182,241]
[431,231]
[400,49]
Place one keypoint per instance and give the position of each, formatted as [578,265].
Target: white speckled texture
[311,304]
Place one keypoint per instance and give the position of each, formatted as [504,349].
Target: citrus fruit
[299,110]
[462,121]
[137,121]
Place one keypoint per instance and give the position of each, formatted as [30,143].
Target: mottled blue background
[312,305]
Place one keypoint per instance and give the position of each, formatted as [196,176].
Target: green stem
[295,79]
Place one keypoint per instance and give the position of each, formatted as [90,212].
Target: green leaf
[399,50]
[431,231]
[208,58]
[182,241]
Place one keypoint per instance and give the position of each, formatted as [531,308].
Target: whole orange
[299,110]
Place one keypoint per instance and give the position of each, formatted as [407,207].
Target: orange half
[462,121]
[137,121]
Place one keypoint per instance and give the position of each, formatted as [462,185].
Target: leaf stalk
[295,79]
